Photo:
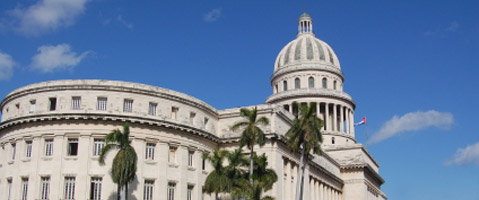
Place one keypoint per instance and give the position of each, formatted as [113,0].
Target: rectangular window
[69,191]
[95,188]
[128,105]
[52,104]
[190,158]
[101,103]
[48,147]
[189,193]
[9,189]
[33,104]
[174,112]
[72,146]
[76,101]
[171,191]
[24,188]
[150,151]
[98,145]
[28,149]
[152,109]
[192,117]
[172,155]
[148,190]
[45,188]
[14,149]
[18,108]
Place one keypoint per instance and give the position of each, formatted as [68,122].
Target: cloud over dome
[6,66]
[467,155]
[60,57]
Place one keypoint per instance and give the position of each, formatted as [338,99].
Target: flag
[363,121]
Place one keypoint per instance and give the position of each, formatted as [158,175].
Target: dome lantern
[305,24]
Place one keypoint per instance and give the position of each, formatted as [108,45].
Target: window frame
[76,103]
[101,103]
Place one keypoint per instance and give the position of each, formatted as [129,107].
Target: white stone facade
[50,134]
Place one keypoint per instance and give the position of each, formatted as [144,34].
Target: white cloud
[213,15]
[6,66]
[124,22]
[463,156]
[58,57]
[412,121]
[46,15]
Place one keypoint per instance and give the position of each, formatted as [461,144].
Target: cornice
[306,67]
[310,92]
[363,167]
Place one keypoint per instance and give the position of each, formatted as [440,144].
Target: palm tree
[252,134]
[263,177]
[217,180]
[123,168]
[305,135]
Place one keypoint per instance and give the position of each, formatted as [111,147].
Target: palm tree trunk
[126,191]
[299,179]
[251,166]
[118,192]
[216,195]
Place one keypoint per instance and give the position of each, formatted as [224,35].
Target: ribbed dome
[306,49]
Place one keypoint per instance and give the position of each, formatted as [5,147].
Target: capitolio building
[51,135]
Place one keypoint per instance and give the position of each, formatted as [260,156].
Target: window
[18,108]
[24,188]
[285,85]
[189,193]
[53,104]
[95,188]
[45,188]
[14,149]
[174,111]
[286,107]
[28,149]
[76,101]
[69,188]
[98,145]
[171,191]
[192,117]
[190,158]
[325,83]
[172,155]
[72,146]
[152,109]
[9,189]
[332,140]
[101,103]
[148,190]
[128,105]
[297,83]
[33,106]
[311,82]
[150,151]
[276,88]
[334,85]
[48,147]
[205,122]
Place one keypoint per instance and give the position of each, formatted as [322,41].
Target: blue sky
[410,66]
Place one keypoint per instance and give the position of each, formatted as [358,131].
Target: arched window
[334,85]
[276,88]
[285,85]
[297,83]
[311,82]
[325,83]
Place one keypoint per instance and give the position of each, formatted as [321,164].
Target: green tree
[305,136]
[217,180]
[251,134]
[263,180]
[123,168]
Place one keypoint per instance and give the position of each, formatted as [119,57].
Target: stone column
[291,108]
[318,113]
[341,116]
[353,129]
[326,117]
[335,118]
[348,123]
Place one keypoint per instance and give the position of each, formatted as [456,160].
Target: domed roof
[306,49]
